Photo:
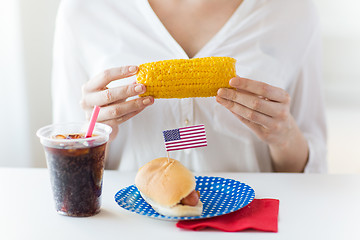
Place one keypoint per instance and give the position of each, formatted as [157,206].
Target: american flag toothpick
[185,137]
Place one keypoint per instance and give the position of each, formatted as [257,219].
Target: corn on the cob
[183,78]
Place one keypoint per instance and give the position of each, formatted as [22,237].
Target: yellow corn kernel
[184,78]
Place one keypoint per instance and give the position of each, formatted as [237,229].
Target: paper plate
[218,195]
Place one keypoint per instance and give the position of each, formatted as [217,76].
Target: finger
[253,126]
[101,80]
[128,116]
[252,101]
[260,89]
[118,110]
[256,128]
[112,95]
[122,119]
[245,112]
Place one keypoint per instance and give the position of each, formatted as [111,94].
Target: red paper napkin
[260,214]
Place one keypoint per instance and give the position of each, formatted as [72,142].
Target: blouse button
[187,122]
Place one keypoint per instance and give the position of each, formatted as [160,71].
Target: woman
[272,121]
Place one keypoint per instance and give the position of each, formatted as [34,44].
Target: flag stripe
[174,149]
[192,133]
[189,137]
[192,130]
[187,141]
[188,144]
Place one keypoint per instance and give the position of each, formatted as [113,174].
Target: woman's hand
[266,110]
[115,109]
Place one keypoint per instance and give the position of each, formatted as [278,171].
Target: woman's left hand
[262,107]
[265,109]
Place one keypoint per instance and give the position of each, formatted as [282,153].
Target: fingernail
[146,101]
[132,69]
[234,81]
[220,92]
[138,88]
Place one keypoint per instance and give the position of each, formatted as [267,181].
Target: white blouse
[274,41]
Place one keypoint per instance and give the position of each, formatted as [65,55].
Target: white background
[26,36]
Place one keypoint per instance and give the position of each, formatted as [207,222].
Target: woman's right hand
[115,109]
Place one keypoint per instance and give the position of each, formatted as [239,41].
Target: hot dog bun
[163,183]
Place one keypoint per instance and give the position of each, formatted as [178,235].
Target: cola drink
[76,166]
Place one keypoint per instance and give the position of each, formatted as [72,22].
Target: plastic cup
[76,166]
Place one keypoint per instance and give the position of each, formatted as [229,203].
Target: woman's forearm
[292,154]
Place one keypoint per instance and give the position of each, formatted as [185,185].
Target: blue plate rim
[167,218]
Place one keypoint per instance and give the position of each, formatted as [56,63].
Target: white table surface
[312,206]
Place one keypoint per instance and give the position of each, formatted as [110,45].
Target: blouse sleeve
[68,73]
[308,105]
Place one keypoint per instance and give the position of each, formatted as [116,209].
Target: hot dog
[192,199]
[169,187]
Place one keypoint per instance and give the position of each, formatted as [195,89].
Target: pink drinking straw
[94,116]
